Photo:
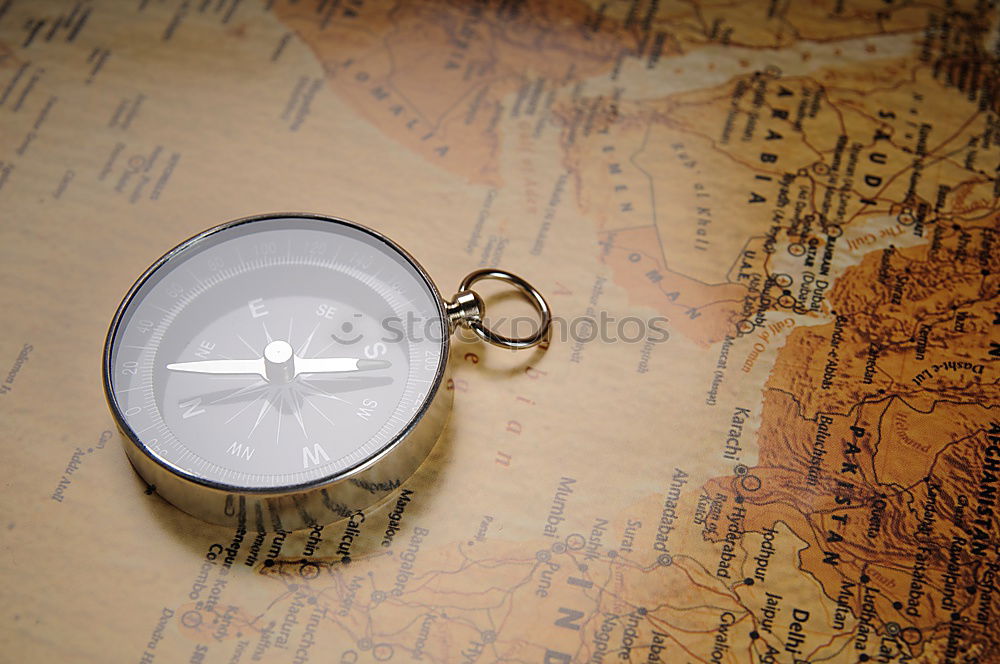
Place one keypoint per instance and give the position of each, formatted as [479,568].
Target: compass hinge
[466,306]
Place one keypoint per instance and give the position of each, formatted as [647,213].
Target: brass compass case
[319,499]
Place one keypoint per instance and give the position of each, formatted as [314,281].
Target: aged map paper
[801,465]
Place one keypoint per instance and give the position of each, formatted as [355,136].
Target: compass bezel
[193,492]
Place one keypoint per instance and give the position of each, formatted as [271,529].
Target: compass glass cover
[275,353]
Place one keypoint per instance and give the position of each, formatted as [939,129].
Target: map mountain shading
[766,427]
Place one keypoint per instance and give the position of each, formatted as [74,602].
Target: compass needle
[315,365]
[235,367]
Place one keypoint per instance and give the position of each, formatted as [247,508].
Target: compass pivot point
[279,362]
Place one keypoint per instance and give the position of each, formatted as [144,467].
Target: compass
[287,370]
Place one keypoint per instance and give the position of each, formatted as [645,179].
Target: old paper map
[766,428]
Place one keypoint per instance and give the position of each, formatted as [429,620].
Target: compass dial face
[275,353]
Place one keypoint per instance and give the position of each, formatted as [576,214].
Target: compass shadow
[330,385]
[350,384]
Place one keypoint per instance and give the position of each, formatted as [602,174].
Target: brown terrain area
[431,76]
[916,436]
